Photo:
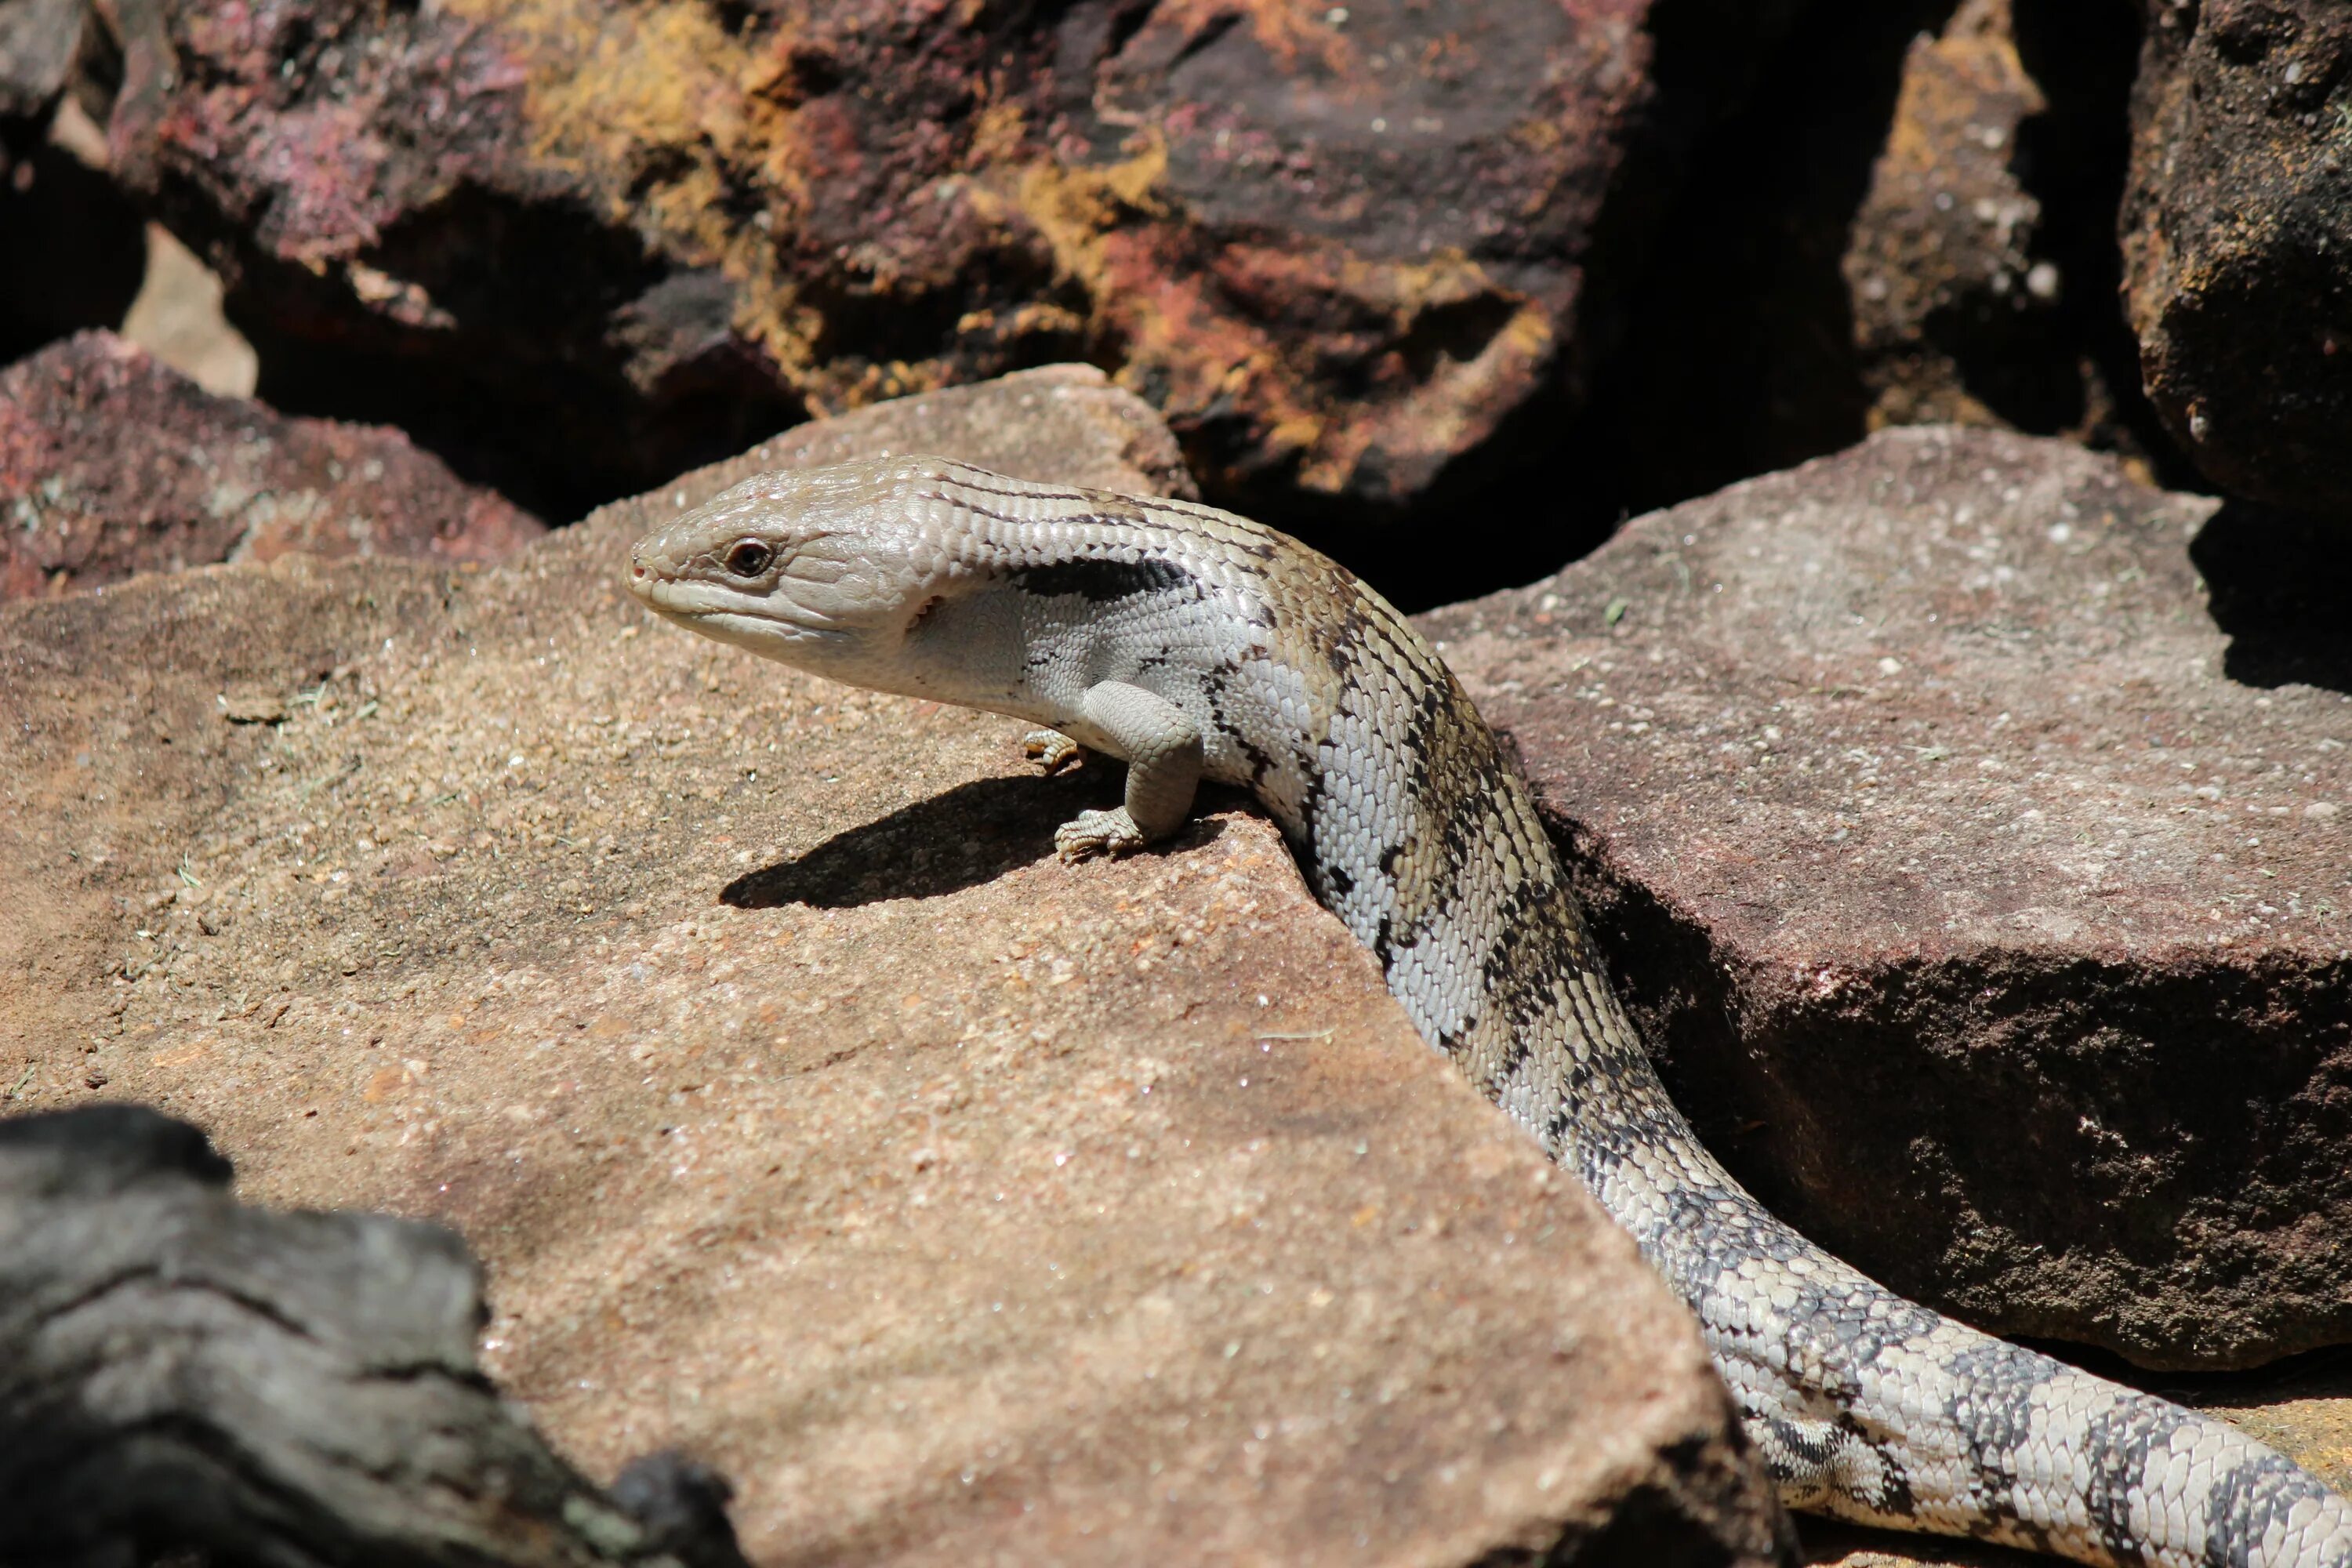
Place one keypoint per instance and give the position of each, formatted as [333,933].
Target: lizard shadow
[972,833]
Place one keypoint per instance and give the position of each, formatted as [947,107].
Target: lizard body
[1195,643]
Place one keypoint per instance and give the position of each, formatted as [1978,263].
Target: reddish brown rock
[577,247]
[808,1114]
[112,464]
[2236,229]
[1990,905]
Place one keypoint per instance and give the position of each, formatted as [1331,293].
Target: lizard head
[827,569]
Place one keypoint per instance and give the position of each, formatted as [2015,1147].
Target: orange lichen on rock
[1337,245]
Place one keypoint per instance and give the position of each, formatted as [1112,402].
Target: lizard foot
[1109,832]
[1051,750]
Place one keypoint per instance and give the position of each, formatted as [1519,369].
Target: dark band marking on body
[1101,580]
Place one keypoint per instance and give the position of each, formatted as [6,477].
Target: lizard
[1193,643]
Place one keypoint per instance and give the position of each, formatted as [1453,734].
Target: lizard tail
[1873,1408]
[1862,1404]
[1865,1405]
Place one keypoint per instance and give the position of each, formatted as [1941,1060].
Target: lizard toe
[1098,833]
[1051,750]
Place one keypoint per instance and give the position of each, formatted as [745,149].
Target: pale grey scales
[1193,643]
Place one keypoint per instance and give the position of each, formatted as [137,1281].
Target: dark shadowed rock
[70,240]
[2236,231]
[70,248]
[1989,906]
[810,1116]
[187,1377]
[1955,313]
[111,463]
[1913,221]
[577,248]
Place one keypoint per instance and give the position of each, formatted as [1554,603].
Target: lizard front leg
[1162,747]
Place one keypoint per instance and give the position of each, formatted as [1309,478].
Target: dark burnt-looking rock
[184,1377]
[2238,241]
[112,463]
[1990,904]
[577,248]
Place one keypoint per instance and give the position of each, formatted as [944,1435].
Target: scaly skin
[1191,644]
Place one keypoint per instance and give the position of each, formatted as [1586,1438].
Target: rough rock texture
[809,1114]
[1066,420]
[1989,906]
[183,1376]
[111,463]
[1340,246]
[71,241]
[2236,230]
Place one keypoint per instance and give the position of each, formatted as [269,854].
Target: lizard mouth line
[714,612]
[686,601]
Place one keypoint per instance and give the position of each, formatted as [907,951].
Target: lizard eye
[748,558]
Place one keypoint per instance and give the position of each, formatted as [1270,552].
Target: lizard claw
[1089,833]
[1051,750]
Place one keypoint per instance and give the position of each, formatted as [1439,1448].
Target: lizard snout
[643,573]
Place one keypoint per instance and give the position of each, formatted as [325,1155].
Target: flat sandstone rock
[1989,904]
[961,1205]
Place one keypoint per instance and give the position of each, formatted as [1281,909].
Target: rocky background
[1965,792]
[1513,270]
